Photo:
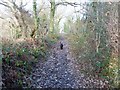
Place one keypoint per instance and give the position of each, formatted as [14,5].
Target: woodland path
[59,71]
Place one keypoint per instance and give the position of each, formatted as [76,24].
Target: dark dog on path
[61,46]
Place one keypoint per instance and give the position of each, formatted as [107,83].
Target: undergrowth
[20,57]
[91,62]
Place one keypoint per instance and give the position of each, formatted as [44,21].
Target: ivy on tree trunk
[52,14]
[36,20]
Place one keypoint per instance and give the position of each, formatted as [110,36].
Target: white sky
[61,10]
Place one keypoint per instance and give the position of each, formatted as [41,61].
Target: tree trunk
[52,14]
[113,39]
[35,20]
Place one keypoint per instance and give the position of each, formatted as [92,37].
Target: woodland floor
[61,71]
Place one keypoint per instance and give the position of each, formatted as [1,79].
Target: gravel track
[60,71]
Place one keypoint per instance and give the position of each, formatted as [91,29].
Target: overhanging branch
[5,5]
[68,3]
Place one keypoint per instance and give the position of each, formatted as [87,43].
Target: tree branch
[5,5]
[68,3]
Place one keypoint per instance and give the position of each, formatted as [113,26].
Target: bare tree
[19,16]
